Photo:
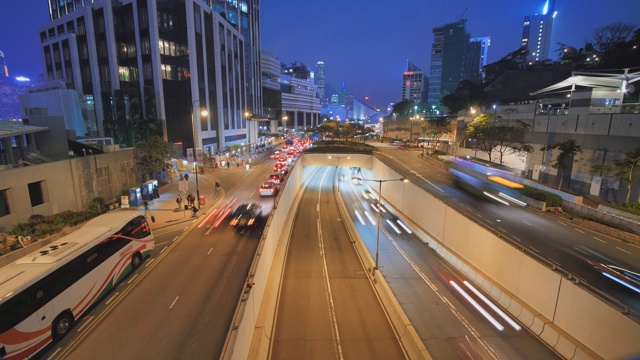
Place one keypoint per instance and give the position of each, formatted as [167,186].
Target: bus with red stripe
[43,293]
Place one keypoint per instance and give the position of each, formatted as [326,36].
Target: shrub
[633,208]
[22,229]
[537,194]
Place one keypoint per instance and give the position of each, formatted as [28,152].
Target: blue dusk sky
[366,44]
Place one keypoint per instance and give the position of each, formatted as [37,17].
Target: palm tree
[565,158]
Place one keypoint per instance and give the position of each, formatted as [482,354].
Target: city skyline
[357,41]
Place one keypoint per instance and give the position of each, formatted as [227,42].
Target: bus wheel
[61,326]
[136,259]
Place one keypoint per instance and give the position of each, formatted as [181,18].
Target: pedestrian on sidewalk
[186,177]
[179,201]
[146,206]
[156,192]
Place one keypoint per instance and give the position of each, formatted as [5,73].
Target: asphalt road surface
[327,308]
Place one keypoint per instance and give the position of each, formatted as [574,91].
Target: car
[246,215]
[268,188]
[275,155]
[280,168]
[275,178]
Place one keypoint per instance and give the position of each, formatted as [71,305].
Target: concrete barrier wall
[568,318]
[605,330]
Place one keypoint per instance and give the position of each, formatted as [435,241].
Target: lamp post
[203,112]
[357,179]
[247,115]
[284,124]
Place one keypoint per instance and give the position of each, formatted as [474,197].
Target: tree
[465,95]
[498,133]
[565,158]
[152,155]
[515,60]
[608,38]
[436,128]
[625,169]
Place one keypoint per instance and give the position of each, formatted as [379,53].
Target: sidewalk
[165,209]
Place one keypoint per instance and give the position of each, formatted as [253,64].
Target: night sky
[366,44]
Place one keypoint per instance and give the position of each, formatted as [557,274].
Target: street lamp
[203,112]
[358,179]
[284,124]
[247,115]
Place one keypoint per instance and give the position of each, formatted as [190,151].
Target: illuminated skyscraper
[320,79]
[536,33]
[414,84]
[476,59]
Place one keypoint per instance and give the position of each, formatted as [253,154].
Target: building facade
[536,33]
[300,105]
[146,62]
[320,80]
[448,52]
[415,85]
[476,59]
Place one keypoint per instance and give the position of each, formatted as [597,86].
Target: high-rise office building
[160,60]
[476,59]
[536,32]
[415,84]
[448,51]
[342,94]
[320,80]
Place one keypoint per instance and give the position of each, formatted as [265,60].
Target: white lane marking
[133,278]
[85,323]
[174,239]
[503,230]
[515,237]
[163,249]
[534,249]
[602,241]
[149,262]
[210,250]
[527,223]
[185,229]
[114,295]
[582,251]
[565,224]
[435,186]
[54,354]
[174,302]
[623,250]
[580,231]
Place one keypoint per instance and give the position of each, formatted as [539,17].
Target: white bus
[43,293]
